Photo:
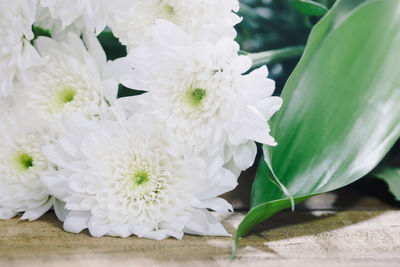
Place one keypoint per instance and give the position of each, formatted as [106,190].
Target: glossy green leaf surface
[341,111]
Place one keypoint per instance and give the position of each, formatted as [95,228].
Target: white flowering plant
[152,165]
[133,117]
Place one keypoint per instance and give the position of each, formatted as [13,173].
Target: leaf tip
[234,248]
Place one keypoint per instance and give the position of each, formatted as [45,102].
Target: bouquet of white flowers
[145,141]
[152,165]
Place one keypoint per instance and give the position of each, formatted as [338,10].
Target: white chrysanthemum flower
[200,91]
[90,13]
[129,177]
[16,52]
[203,19]
[22,162]
[72,79]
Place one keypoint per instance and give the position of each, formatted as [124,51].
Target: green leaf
[341,111]
[310,8]
[111,45]
[39,31]
[125,91]
[392,177]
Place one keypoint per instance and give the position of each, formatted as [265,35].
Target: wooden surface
[344,228]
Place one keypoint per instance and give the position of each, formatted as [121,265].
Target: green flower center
[139,178]
[196,96]
[170,10]
[24,161]
[66,95]
[63,96]
[167,10]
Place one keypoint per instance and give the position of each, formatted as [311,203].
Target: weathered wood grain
[321,233]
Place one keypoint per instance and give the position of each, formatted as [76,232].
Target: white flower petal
[7,213]
[225,181]
[217,204]
[269,106]
[76,221]
[203,223]
[34,214]
[244,155]
[257,128]
[59,209]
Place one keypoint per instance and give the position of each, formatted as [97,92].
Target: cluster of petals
[129,176]
[89,14]
[22,162]
[75,78]
[201,19]
[151,165]
[210,104]
[16,51]
[78,75]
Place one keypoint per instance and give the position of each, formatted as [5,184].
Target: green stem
[273,56]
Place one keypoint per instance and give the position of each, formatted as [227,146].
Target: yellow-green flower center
[63,96]
[66,95]
[139,178]
[196,96]
[24,161]
[170,10]
[167,10]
